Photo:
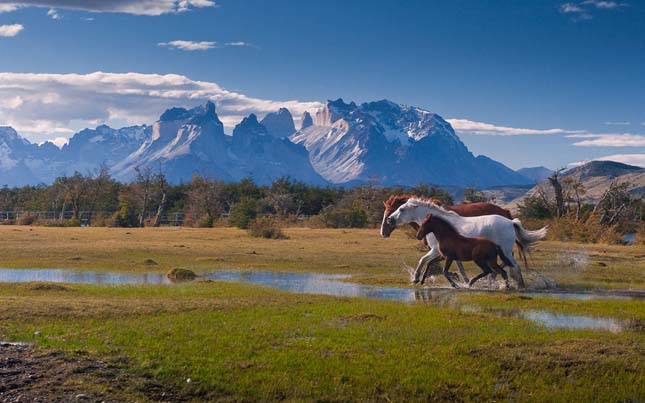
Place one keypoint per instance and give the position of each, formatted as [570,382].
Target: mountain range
[342,143]
[595,176]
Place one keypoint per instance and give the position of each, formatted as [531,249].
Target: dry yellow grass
[361,252]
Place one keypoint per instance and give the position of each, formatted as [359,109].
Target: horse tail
[522,254]
[528,238]
[502,256]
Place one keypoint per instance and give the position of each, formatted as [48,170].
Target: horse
[465,210]
[454,246]
[500,230]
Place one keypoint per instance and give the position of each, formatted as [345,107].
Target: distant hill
[536,174]
[596,176]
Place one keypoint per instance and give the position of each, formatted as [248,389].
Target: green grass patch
[246,343]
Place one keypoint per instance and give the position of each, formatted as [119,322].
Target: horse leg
[485,271]
[428,257]
[464,276]
[446,272]
[515,271]
[499,269]
[433,263]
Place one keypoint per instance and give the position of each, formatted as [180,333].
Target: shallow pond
[336,285]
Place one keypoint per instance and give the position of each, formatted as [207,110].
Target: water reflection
[79,277]
[330,284]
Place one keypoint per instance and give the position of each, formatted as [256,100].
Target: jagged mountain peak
[400,144]
[9,134]
[196,115]
[307,121]
[279,124]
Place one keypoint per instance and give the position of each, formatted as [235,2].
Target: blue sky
[516,78]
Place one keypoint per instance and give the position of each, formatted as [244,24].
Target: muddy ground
[29,374]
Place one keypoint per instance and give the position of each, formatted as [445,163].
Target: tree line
[203,202]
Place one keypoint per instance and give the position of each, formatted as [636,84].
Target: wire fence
[85,218]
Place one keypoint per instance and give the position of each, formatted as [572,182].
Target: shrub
[243,213]
[72,222]
[347,217]
[204,221]
[26,219]
[266,227]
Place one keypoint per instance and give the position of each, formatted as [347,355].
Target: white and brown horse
[464,210]
[500,230]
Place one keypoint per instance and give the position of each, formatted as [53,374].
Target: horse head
[391,204]
[425,228]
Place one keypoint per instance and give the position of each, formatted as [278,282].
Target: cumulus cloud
[609,140]
[189,46]
[136,7]
[57,105]
[479,128]
[630,159]
[10,30]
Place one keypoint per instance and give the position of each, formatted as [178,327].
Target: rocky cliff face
[394,144]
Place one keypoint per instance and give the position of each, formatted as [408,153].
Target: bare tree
[554,180]
[145,181]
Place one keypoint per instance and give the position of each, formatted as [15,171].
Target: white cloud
[610,140]
[618,123]
[55,105]
[53,14]
[604,4]
[59,141]
[11,103]
[136,7]
[630,159]
[10,30]
[7,8]
[582,11]
[238,43]
[189,46]
[569,8]
[470,127]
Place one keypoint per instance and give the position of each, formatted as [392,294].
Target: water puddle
[79,277]
[553,320]
[336,285]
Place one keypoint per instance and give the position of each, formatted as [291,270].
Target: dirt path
[28,374]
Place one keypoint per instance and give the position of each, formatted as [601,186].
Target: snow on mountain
[184,142]
[103,144]
[255,153]
[397,144]
[343,143]
[279,124]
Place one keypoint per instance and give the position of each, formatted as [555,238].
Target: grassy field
[362,253]
[237,342]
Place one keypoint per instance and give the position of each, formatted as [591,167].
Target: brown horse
[454,246]
[464,210]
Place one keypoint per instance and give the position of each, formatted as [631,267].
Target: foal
[454,246]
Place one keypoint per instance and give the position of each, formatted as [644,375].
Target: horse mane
[398,200]
[429,202]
